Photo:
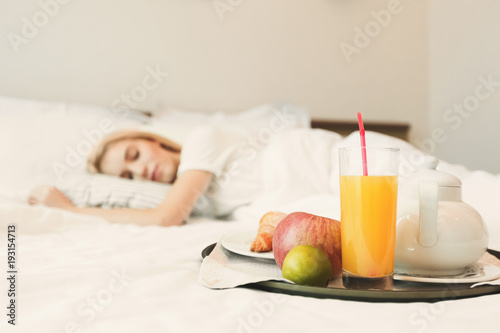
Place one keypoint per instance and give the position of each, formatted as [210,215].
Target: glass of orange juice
[368,201]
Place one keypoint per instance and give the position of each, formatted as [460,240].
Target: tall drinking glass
[368,216]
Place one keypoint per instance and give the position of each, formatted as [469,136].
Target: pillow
[175,123]
[44,140]
[87,190]
[97,190]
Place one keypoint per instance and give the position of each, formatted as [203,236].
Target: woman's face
[140,159]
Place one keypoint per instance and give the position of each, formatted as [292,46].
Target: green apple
[307,265]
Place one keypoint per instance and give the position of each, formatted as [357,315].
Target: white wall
[464,47]
[260,51]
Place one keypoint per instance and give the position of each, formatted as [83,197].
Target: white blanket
[82,274]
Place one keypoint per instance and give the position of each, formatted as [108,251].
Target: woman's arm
[174,209]
[180,200]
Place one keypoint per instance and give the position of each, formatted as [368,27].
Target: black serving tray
[403,291]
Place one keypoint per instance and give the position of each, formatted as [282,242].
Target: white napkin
[224,269]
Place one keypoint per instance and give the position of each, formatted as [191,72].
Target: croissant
[264,240]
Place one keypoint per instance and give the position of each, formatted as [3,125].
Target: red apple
[301,228]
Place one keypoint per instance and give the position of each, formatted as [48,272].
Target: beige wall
[243,54]
[465,53]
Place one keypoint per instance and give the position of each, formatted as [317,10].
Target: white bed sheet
[82,274]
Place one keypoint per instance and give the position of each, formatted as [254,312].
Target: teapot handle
[428,213]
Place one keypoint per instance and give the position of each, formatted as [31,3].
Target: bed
[82,274]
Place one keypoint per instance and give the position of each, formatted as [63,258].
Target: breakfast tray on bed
[403,291]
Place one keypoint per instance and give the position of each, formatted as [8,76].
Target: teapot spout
[428,213]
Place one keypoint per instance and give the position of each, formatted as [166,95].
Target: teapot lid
[427,172]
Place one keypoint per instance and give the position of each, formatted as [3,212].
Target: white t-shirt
[235,161]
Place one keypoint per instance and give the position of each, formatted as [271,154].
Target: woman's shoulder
[209,147]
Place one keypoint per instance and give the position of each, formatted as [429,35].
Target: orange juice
[368,224]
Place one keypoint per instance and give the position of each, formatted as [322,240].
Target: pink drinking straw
[363,144]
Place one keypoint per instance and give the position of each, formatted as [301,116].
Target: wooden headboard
[399,130]
[344,128]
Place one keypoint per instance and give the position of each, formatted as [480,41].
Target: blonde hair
[95,157]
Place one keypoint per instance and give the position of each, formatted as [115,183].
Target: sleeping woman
[219,163]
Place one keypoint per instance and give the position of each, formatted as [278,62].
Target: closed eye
[132,153]
[127,174]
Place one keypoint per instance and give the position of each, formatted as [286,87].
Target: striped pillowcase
[97,190]
[89,190]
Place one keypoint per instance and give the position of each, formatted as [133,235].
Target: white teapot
[437,234]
